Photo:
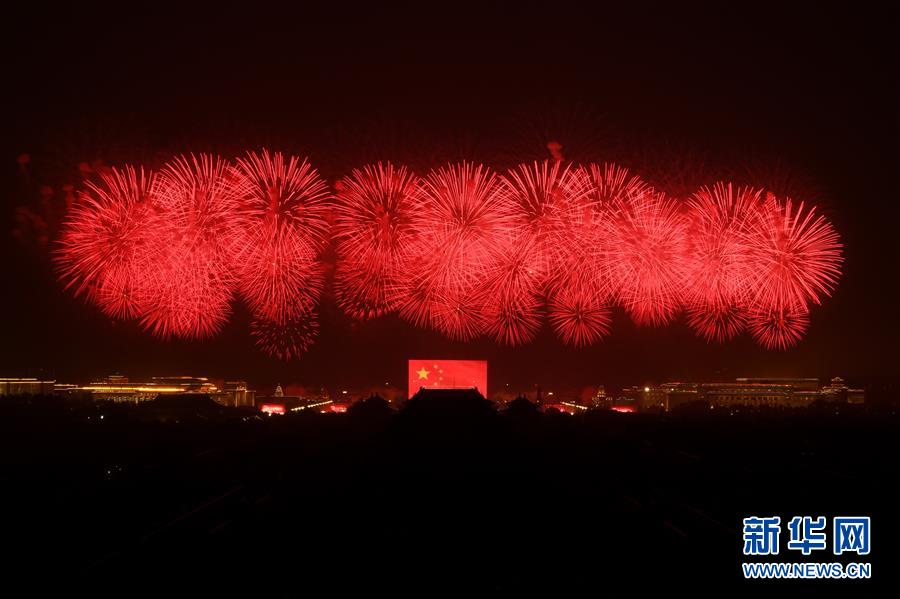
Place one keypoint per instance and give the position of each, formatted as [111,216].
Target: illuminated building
[188,384]
[677,394]
[294,403]
[236,394]
[629,401]
[124,393]
[117,388]
[26,386]
[836,390]
[746,392]
[646,397]
[757,392]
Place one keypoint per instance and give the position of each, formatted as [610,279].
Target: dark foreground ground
[437,498]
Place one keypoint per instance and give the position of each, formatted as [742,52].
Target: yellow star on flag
[423,374]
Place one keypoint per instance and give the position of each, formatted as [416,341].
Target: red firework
[578,315]
[283,208]
[187,287]
[374,230]
[778,327]
[611,184]
[462,251]
[578,302]
[551,206]
[108,239]
[646,236]
[512,319]
[464,224]
[718,259]
[288,339]
[796,258]
[510,299]
[796,255]
[717,321]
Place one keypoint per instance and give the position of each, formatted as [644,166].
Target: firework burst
[374,231]
[288,339]
[510,298]
[282,213]
[463,251]
[610,184]
[646,236]
[187,288]
[718,259]
[585,285]
[551,206]
[779,326]
[578,315]
[796,255]
[464,223]
[108,240]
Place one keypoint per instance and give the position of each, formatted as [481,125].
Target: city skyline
[502,392]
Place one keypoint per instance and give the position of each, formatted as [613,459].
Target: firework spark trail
[463,251]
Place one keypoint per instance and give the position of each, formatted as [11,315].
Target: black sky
[800,98]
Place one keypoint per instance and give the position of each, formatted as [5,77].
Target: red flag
[447,374]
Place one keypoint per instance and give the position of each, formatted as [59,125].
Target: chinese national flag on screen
[447,374]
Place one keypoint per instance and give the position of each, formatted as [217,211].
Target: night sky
[802,101]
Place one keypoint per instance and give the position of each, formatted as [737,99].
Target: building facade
[26,386]
[746,393]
